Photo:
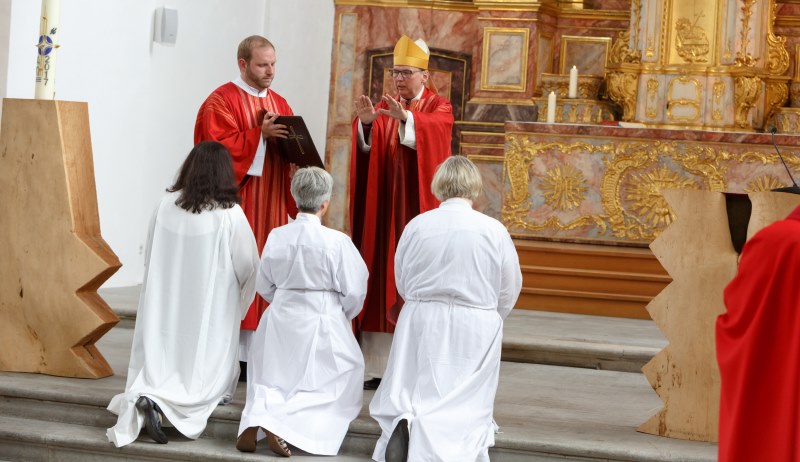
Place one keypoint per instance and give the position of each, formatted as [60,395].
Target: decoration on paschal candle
[46,59]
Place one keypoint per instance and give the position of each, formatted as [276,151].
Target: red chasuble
[758,349]
[233,117]
[389,186]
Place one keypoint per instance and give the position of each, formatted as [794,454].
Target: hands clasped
[270,129]
[367,112]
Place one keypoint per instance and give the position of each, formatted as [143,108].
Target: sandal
[247,440]
[278,444]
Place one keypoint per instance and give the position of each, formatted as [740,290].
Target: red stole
[233,117]
[389,186]
[758,349]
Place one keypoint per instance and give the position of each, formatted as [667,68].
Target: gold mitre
[408,53]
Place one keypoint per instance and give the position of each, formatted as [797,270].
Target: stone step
[546,413]
[566,339]
[36,440]
[576,340]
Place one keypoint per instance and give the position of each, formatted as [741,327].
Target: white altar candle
[573,82]
[46,49]
[551,107]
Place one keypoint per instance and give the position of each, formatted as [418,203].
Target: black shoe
[152,419]
[242,371]
[397,449]
[372,384]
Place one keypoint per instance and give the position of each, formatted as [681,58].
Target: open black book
[298,148]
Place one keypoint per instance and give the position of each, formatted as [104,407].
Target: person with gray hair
[306,370]
[459,274]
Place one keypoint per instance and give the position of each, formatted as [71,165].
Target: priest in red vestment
[397,145]
[758,349]
[241,115]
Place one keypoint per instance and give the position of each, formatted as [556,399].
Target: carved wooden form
[53,257]
[697,252]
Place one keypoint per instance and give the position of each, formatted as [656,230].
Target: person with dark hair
[242,115]
[199,280]
[459,275]
[305,382]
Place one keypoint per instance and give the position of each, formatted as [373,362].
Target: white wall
[302,31]
[143,96]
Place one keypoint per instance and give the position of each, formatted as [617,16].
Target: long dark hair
[206,179]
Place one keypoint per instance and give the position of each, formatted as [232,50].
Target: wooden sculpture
[697,252]
[53,257]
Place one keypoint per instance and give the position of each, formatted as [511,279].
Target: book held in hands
[298,147]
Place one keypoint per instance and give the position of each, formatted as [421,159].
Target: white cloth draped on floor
[199,280]
[306,371]
[459,275]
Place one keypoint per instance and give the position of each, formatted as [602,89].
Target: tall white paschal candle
[573,83]
[46,49]
[551,107]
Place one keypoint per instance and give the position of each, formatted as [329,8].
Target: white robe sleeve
[362,143]
[265,282]
[510,278]
[351,275]
[408,132]
[244,254]
[399,257]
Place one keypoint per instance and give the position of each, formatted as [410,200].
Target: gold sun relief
[563,187]
[764,183]
[645,195]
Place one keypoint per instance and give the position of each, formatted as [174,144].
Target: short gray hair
[311,186]
[457,177]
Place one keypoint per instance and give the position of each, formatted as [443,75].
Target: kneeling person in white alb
[458,272]
[305,374]
[200,273]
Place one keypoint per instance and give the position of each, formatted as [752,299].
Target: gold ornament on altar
[563,187]
[646,199]
[745,94]
[691,41]
[764,183]
[621,53]
[621,88]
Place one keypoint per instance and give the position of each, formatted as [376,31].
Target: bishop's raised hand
[365,110]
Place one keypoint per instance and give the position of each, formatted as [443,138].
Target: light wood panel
[697,251]
[53,257]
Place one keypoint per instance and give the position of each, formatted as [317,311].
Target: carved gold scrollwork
[517,163]
[645,212]
[679,104]
[743,57]
[792,158]
[652,98]
[520,154]
[718,91]
[621,88]
[777,95]
[777,55]
[621,52]
[746,91]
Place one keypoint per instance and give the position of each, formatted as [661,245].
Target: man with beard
[241,115]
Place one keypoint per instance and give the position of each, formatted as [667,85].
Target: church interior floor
[569,390]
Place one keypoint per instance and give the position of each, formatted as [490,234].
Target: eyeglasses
[404,74]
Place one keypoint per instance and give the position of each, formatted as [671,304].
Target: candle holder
[588,85]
